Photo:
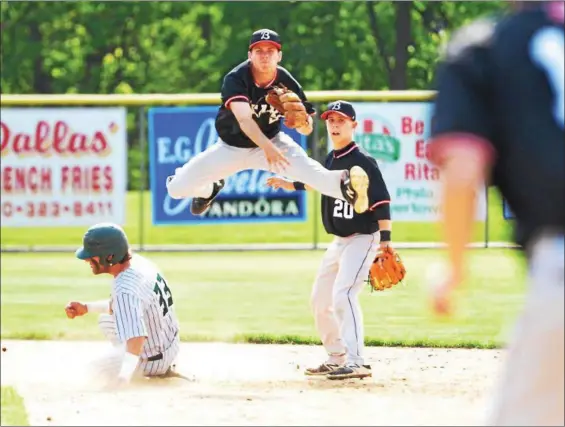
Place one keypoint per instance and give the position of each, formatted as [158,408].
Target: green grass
[264,297]
[141,230]
[13,409]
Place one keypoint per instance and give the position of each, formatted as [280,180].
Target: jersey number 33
[164,294]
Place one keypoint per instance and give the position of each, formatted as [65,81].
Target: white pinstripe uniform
[142,305]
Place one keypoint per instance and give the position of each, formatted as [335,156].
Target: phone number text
[56,209]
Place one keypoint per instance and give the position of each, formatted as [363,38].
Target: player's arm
[131,328]
[244,115]
[460,147]
[380,203]
[277,182]
[76,309]
[235,98]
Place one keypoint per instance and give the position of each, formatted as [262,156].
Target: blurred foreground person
[499,117]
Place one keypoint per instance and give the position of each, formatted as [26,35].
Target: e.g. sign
[63,166]
[178,134]
[396,135]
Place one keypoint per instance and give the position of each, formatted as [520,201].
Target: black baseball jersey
[239,86]
[339,217]
[502,82]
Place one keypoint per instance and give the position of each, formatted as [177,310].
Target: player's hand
[74,309]
[276,183]
[442,283]
[382,247]
[275,158]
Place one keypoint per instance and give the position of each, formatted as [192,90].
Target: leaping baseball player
[256,95]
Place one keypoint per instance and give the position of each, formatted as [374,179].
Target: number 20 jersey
[338,217]
[142,304]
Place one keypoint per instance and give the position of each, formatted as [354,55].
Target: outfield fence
[158,132]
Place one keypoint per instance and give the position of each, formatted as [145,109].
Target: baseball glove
[289,105]
[387,270]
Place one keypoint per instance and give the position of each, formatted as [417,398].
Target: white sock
[336,359]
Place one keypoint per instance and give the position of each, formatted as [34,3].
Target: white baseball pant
[334,300]
[113,361]
[531,392]
[219,161]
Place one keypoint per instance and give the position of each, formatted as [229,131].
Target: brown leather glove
[387,269]
[289,105]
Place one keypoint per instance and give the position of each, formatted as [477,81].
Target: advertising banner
[180,133]
[63,166]
[396,135]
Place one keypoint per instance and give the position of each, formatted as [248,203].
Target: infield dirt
[249,384]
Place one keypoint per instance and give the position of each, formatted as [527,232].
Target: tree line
[187,47]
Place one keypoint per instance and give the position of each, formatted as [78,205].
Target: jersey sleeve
[234,89]
[128,311]
[461,113]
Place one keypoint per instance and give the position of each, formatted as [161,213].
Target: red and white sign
[396,134]
[63,166]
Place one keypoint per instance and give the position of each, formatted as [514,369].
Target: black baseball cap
[341,107]
[265,35]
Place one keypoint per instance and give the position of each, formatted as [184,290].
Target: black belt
[160,355]
[155,358]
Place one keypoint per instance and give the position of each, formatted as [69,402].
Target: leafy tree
[187,47]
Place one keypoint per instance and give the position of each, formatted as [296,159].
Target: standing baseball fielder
[500,111]
[139,319]
[250,136]
[346,263]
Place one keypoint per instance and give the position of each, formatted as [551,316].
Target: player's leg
[196,178]
[107,325]
[321,302]
[351,186]
[356,261]
[106,367]
[162,366]
[532,387]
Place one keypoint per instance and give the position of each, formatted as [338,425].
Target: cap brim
[82,253]
[325,114]
[277,45]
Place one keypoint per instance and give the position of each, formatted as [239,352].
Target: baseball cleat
[355,188]
[350,371]
[200,205]
[323,369]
